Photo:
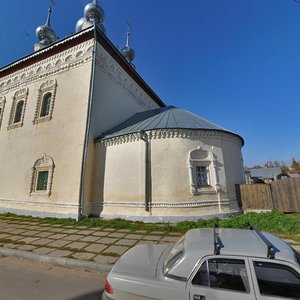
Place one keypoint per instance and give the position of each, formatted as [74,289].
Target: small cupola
[45,33]
[127,51]
[93,15]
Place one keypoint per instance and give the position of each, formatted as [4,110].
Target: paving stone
[96,248]
[116,235]
[26,247]
[81,227]
[83,256]
[56,225]
[86,232]
[69,226]
[157,233]
[165,243]
[43,250]
[70,231]
[109,229]
[171,239]
[44,234]
[61,253]
[59,243]
[151,238]
[100,233]
[57,236]
[146,243]
[124,230]
[107,240]
[42,242]
[11,246]
[141,231]
[77,245]
[30,233]
[59,230]
[73,237]
[90,239]
[4,235]
[289,241]
[174,234]
[133,236]
[297,248]
[126,242]
[119,250]
[35,227]
[17,231]
[105,259]
[29,240]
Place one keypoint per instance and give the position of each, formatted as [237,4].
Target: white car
[208,264]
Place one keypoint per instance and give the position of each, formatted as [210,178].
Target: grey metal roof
[168,117]
[267,173]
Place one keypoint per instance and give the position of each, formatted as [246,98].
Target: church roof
[168,117]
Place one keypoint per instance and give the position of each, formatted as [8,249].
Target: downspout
[144,137]
[87,131]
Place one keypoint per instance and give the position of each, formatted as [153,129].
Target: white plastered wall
[61,138]
[116,97]
[124,189]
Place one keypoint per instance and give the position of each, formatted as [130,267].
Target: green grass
[275,222]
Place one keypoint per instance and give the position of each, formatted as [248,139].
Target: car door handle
[199,297]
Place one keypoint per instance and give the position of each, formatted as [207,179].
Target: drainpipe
[88,125]
[144,137]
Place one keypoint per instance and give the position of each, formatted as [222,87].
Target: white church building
[81,133]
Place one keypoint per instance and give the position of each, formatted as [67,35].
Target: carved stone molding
[20,95]
[193,204]
[48,87]
[169,134]
[45,163]
[119,76]
[61,62]
[2,106]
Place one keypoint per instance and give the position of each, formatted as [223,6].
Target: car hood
[141,260]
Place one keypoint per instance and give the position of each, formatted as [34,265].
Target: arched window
[18,107]
[18,112]
[203,177]
[42,176]
[46,104]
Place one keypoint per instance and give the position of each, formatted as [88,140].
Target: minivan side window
[229,274]
[277,280]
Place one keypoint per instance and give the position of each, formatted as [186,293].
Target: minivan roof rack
[271,248]
[217,241]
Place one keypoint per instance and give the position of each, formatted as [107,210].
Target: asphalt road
[25,280]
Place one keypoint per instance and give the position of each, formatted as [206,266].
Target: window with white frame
[2,104]
[45,102]
[17,112]
[42,177]
[202,171]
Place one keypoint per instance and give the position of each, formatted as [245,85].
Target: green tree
[295,166]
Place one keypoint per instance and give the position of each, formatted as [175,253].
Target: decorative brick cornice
[58,63]
[169,134]
[112,69]
[2,106]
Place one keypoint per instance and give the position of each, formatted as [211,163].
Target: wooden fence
[282,195]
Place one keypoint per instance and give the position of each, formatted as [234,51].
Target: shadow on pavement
[90,296]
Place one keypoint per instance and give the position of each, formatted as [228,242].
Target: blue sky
[233,62]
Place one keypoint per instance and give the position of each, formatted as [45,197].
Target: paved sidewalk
[76,246]
[64,244]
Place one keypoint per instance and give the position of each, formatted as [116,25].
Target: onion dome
[93,14]
[127,51]
[45,33]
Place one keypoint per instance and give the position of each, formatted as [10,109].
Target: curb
[57,261]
